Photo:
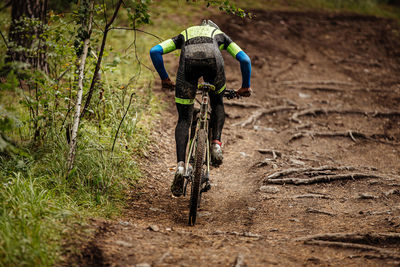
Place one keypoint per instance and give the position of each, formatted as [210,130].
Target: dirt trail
[335,85]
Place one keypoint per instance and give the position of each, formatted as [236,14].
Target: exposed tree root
[245,234]
[242,104]
[349,134]
[309,170]
[392,192]
[274,153]
[325,82]
[319,111]
[334,89]
[369,238]
[261,112]
[312,196]
[311,210]
[357,241]
[386,114]
[366,196]
[323,178]
[322,111]
[352,246]
[382,256]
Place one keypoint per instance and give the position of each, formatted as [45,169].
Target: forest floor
[311,172]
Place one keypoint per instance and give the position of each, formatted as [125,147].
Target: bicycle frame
[202,123]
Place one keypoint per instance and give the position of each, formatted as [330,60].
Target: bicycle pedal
[206,187]
[205,178]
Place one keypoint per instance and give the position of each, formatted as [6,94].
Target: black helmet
[209,23]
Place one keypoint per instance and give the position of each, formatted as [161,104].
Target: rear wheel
[198,173]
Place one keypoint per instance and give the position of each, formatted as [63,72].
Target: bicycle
[199,153]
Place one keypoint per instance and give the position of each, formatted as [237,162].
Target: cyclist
[200,57]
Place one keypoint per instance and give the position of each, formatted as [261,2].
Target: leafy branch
[226,6]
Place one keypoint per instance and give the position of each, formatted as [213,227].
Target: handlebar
[228,93]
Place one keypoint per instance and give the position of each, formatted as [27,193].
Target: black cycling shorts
[199,60]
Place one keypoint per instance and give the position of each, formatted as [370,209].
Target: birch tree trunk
[86,25]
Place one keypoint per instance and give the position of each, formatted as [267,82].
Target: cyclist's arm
[165,47]
[245,63]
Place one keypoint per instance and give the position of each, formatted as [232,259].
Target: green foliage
[138,12]
[228,7]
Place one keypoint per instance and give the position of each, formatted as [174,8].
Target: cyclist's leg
[182,129]
[217,78]
[185,92]
[217,119]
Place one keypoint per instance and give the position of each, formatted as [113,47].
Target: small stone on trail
[269,189]
[294,220]
[219,232]
[168,229]
[243,154]
[156,209]
[302,95]
[251,209]
[204,213]
[273,230]
[154,228]
[123,243]
[261,128]
[143,264]
[124,223]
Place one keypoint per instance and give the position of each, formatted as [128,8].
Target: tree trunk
[86,26]
[100,56]
[27,45]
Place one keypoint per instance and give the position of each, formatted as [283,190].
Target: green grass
[38,202]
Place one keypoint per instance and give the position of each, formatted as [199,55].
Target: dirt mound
[326,112]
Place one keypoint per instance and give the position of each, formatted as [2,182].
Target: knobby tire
[198,173]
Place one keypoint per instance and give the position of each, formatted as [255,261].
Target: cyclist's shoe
[216,153]
[177,184]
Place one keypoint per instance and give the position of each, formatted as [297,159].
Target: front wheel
[197,174]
